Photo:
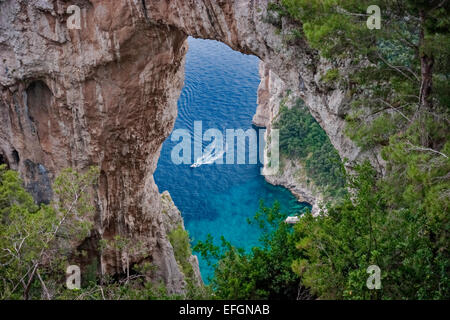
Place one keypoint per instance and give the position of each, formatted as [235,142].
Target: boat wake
[210,155]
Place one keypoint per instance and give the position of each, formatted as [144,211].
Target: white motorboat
[292,219]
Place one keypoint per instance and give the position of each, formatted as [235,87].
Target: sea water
[221,91]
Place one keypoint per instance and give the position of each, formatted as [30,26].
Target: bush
[179,238]
[263,273]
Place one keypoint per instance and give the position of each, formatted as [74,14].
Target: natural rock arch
[114,88]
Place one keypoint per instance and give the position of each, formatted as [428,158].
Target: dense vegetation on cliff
[36,246]
[399,222]
[399,104]
[302,138]
[35,241]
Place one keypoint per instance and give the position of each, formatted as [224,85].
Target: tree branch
[418,148]
[44,287]
[397,68]
[394,108]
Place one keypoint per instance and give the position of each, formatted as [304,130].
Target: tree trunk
[426,68]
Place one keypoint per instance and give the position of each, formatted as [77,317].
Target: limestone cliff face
[272,92]
[172,219]
[106,95]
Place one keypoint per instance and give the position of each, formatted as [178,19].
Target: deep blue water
[221,91]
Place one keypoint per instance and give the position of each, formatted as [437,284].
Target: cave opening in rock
[3,160]
[39,97]
[16,157]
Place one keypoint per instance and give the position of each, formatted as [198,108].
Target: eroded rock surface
[172,220]
[104,95]
[272,92]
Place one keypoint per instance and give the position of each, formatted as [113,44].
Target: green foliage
[331,75]
[35,242]
[138,289]
[410,49]
[399,90]
[339,246]
[263,273]
[302,138]
[377,133]
[338,27]
[135,287]
[179,238]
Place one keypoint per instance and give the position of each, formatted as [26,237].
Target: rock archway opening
[214,195]
[106,95]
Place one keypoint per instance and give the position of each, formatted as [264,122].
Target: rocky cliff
[106,94]
[272,92]
[103,95]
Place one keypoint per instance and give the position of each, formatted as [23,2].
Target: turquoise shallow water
[221,91]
